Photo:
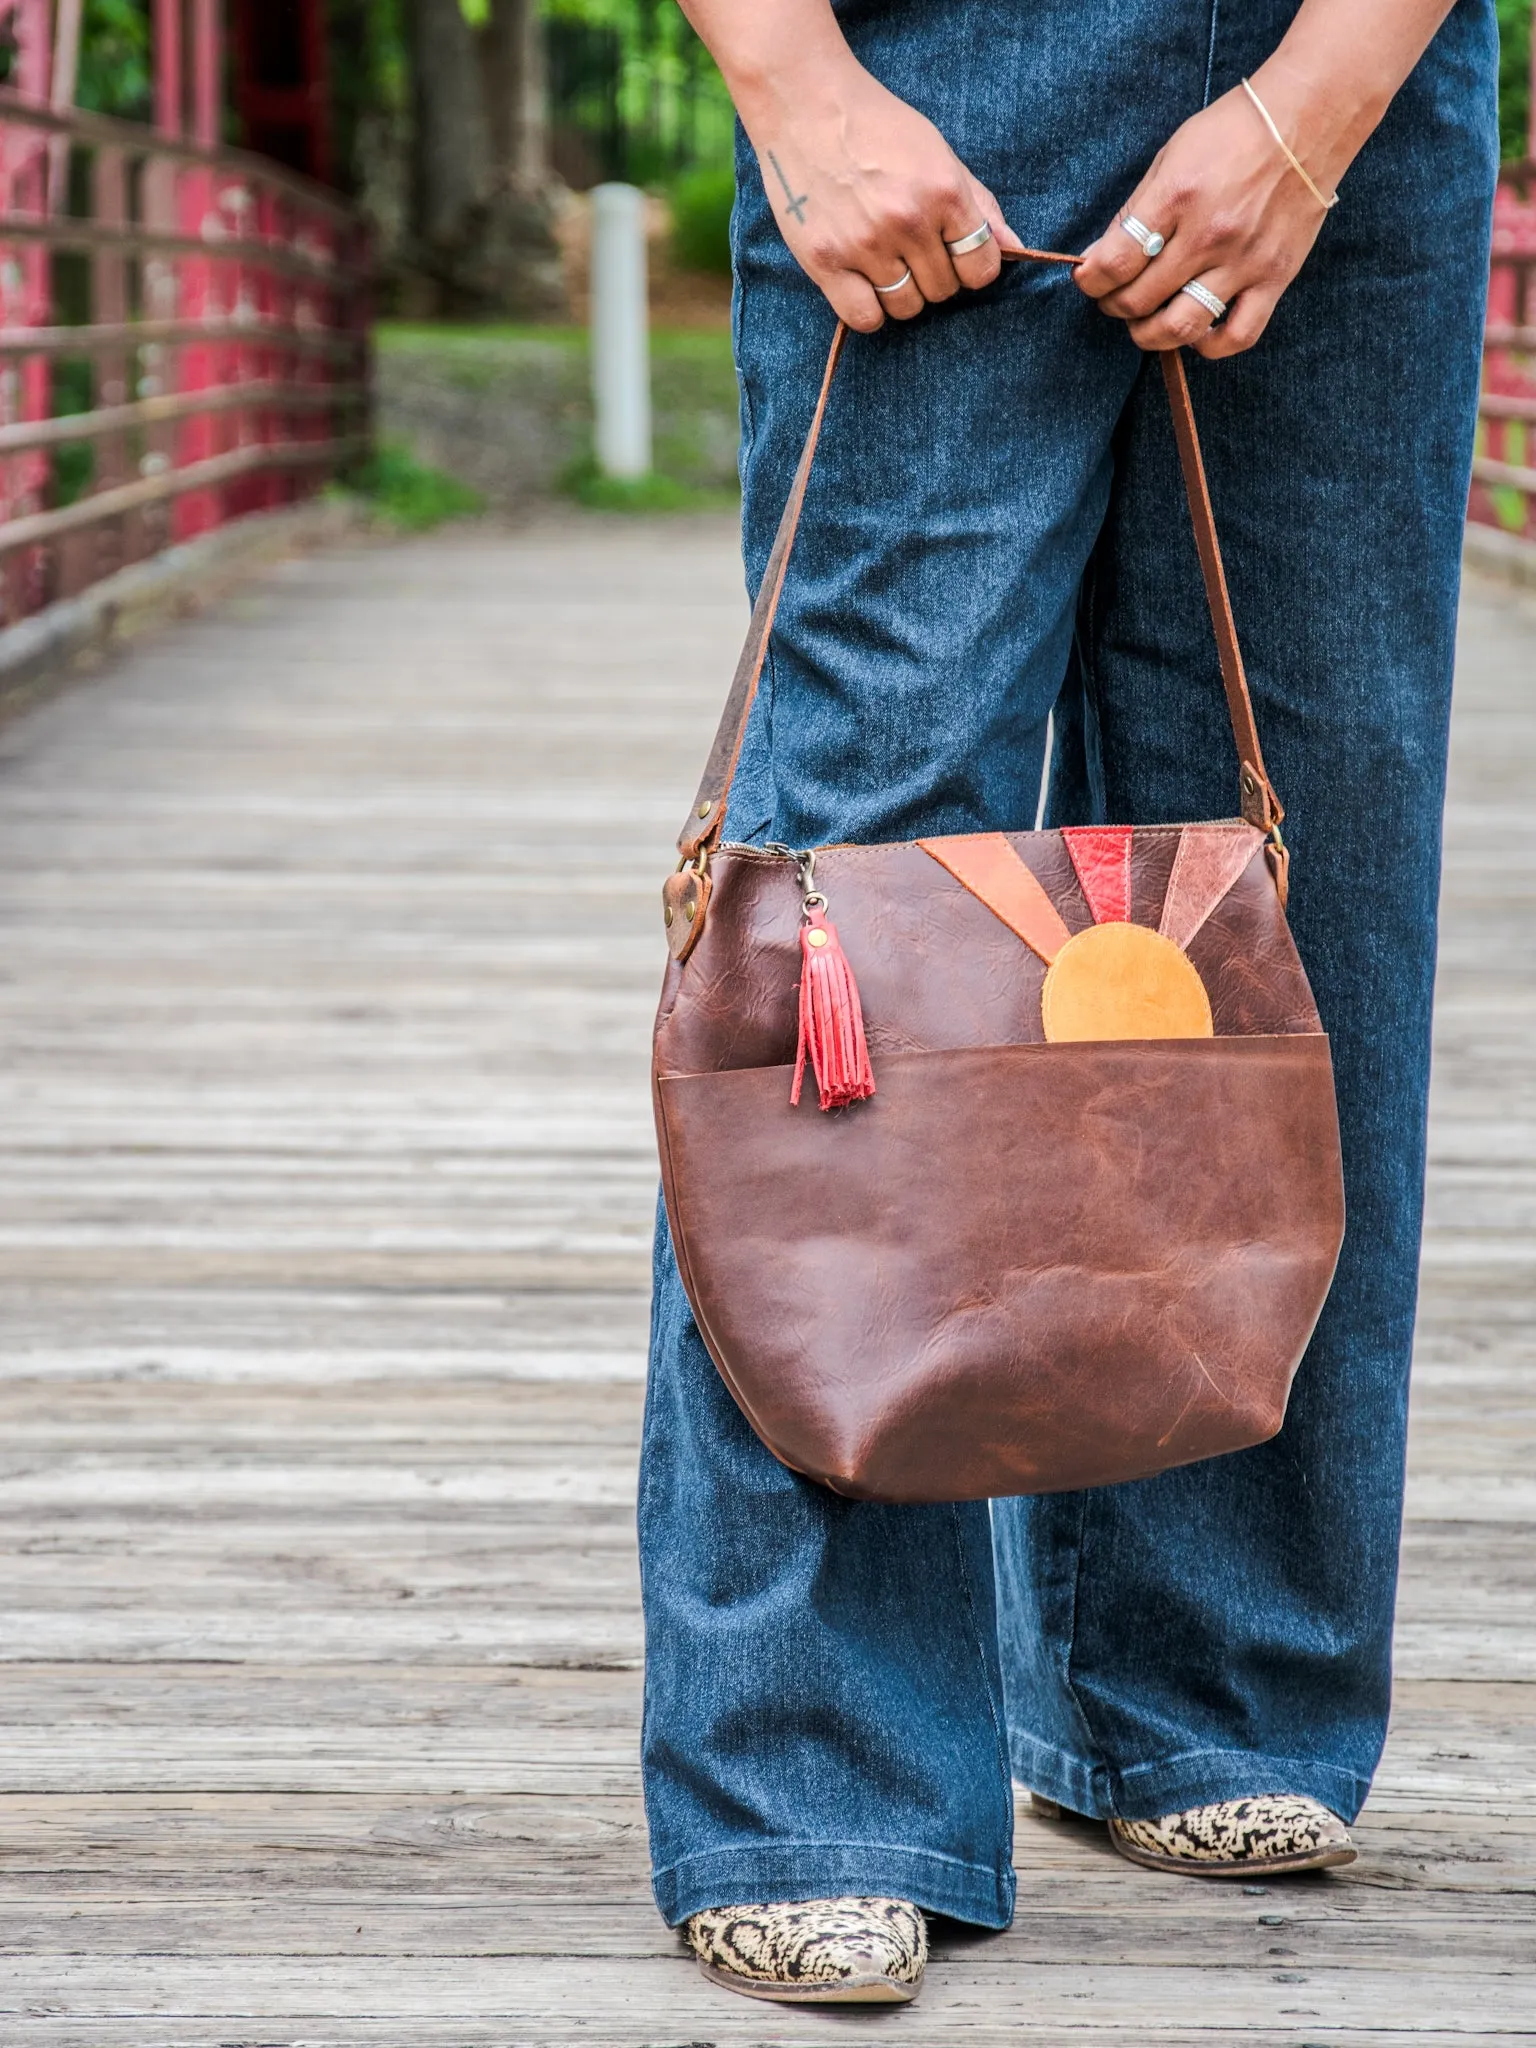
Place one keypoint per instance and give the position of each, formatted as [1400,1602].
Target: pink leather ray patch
[1209,860]
[987,865]
[1101,855]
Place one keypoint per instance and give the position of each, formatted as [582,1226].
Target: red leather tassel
[831,1019]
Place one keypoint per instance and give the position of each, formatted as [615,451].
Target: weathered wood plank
[590,1851]
[424,1728]
[1082,1919]
[606,1998]
[765,2032]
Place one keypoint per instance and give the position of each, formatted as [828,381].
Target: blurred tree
[1514,80]
[634,93]
[480,239]
[517,92]
[451,160]
[369,93]
[115,71]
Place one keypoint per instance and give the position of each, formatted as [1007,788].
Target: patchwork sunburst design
[1115,979]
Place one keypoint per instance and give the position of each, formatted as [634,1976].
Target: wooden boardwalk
[328,944]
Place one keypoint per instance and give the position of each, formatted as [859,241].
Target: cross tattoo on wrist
[796,206]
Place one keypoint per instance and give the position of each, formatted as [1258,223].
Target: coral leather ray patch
[1209,860]
[987,865]
[1101,854]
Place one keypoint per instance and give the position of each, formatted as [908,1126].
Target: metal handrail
[1504,467]
[224,353]
[108,131]
[113,419]
[65,231]
[131,334]
[173,483]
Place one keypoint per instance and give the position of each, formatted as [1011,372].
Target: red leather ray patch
[1101,855]
[987,865]
[1209,860]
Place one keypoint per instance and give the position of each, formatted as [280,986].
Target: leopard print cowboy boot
[1266,1836]
[817,1952]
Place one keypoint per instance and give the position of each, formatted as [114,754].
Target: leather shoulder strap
[707,818]
[1260,805]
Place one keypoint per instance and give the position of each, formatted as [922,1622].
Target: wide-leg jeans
[838,1694]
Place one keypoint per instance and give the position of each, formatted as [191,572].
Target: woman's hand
[1235,217]
[1234,214]
[866,190]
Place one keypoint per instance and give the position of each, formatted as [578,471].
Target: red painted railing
[1504,472]
[183,340]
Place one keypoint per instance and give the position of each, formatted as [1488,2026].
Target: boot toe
[1276,1832]
[815,1951]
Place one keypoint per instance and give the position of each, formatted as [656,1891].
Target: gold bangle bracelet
[1292,158]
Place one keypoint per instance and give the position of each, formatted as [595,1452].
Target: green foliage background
[661,68]
[1514,78]
[115,72]
[673,103]
[701,219]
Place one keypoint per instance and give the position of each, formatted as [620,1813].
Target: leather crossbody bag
[1064,1202]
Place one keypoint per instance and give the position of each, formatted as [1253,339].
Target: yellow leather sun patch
[1123,981]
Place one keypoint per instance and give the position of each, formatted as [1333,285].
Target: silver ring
[978,238]
[1147,239]
[1203,296]
[884,289]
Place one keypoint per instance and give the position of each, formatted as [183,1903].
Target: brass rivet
[1250,781]
[816,938]
[690,910]
[671,914]
[706,807]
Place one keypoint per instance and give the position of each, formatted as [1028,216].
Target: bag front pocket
[1018,1269]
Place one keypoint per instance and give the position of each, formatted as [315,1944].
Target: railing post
[26,286]
[621,365]
[61,94]
[78,559]
[160,363]
[168,67]
[198,208]
[207,71]
[109,307]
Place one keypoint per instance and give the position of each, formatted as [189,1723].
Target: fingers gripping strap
[1259,803]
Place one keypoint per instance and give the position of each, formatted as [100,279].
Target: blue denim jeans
[837,1693]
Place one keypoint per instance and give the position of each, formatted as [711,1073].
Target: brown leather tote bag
[1080,1207]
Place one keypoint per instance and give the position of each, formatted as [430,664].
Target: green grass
[410,495]
[693,393]
[701,220]
[1514,77]
[1509,506]
[668,344]
[436,334]
[585,482]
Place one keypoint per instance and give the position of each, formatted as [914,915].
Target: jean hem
[781,1872]
[1197,1777]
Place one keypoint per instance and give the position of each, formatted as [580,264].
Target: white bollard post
[621,342]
